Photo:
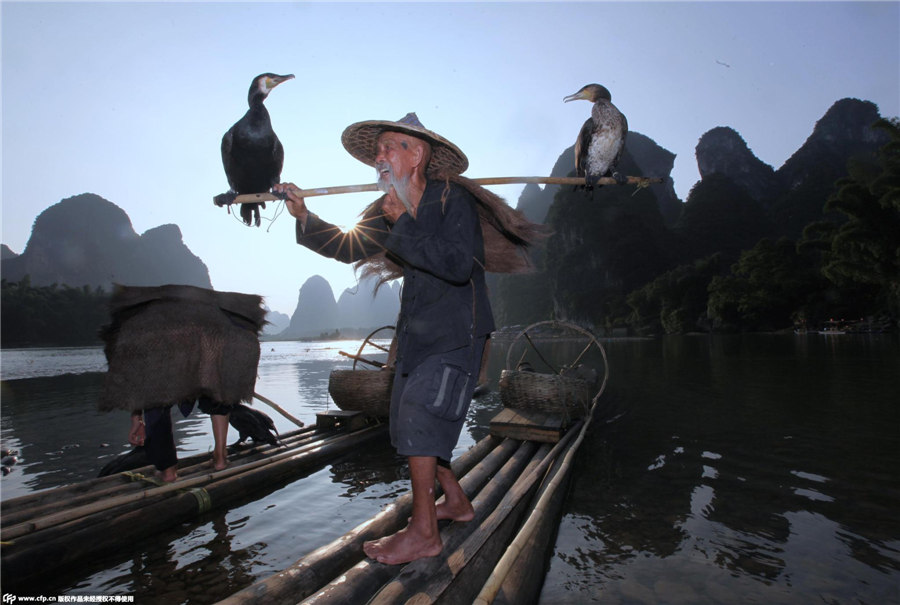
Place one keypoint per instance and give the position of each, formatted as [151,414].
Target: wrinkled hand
[296,205]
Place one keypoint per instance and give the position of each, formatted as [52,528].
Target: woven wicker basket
[367,391]
[545,392]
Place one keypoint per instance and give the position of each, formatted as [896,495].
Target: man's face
[394,158]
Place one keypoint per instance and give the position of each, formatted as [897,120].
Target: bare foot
[456,511]
[403,547]
[220,463]
[169,475]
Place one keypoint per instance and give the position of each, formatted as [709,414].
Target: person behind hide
[176,345]
[152,429]
[430,227]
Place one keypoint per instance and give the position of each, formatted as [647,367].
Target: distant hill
[84,244]
[723,151]
[844,134]
[277,322]
[358,310]
[87,240]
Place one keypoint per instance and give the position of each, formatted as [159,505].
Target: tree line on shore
[731,262]
[846,265]
[51,316]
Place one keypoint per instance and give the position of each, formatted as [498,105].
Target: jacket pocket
[449,393]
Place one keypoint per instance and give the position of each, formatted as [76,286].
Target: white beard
[400,185]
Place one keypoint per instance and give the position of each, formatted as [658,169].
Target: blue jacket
[444,302]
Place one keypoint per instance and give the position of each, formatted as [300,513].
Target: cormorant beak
[273,81]
[575,97]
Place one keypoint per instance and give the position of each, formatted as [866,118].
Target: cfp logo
[9,598]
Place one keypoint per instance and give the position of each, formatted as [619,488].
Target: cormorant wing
[227,141]
[581,147]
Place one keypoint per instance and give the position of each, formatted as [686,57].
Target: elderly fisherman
[430,228]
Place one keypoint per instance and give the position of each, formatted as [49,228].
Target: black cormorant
[251,152]
[602,138]
[253,424]
[135,458]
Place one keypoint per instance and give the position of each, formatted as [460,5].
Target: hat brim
[359,140]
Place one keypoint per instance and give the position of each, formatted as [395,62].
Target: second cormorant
[602,138]
[251,152]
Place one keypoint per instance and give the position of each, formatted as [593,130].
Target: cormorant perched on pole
[602,138]
[251,152]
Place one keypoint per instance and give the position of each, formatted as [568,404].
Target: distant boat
[833,328]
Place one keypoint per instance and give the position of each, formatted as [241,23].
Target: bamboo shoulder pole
[255,198]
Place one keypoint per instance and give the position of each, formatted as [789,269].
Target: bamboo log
[316,569]
[504,566]
[366,578]
[67,498]
[71,496]
[428,579]
[66,494]
[310,448]
[278,409]
[255,198]
[39,523]
[40,553]
[523,583]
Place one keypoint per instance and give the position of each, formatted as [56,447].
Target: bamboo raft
[516,479]
[56,528]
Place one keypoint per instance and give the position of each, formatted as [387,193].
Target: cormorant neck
[256,98]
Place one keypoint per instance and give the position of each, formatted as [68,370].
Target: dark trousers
[159,438]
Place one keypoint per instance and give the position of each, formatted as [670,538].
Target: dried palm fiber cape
[171,344]
[507,232]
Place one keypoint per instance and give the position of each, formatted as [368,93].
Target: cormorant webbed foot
[251,212]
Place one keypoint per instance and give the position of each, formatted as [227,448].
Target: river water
[725,469]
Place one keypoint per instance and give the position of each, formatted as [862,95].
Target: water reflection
[55,425]
[749,468]
[179,571]
[737,469]
[358,471]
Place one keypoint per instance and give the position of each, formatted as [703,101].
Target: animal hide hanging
[174,343]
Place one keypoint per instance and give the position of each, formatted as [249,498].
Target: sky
[130,100]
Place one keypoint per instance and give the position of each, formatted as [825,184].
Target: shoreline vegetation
[65,316]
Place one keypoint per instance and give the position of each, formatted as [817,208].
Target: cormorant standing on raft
[602,138]
[251,152]
[252,424]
